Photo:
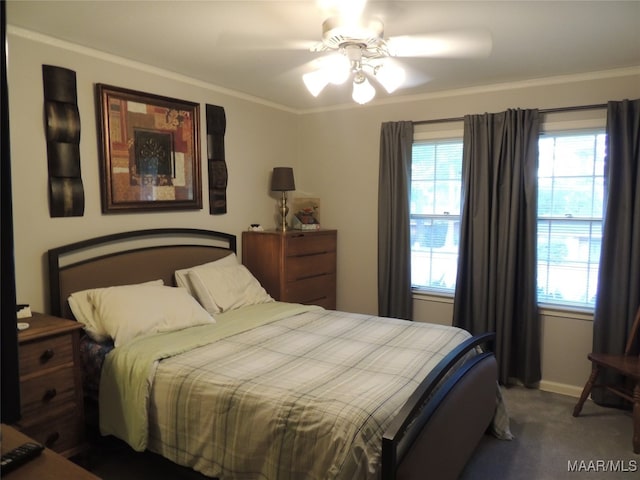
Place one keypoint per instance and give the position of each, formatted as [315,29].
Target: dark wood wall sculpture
[62,128]
[218,175]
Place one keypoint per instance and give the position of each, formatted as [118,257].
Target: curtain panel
[619,275]
[496,279]
[394,245]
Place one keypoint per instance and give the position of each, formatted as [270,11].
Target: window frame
[552,124]
[570,127]
[436,135]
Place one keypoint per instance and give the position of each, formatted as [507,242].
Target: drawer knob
[49,395]
[52,439]
[47,355]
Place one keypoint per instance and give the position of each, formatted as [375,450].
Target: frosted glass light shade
[363,92]
[337,68]
[390,76]
[315,81]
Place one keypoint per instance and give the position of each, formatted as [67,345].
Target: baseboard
[561,388]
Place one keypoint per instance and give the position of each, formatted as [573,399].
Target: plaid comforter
[299,395]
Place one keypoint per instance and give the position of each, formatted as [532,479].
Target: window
[570,209]
[436,174]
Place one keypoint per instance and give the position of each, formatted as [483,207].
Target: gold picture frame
[150,151]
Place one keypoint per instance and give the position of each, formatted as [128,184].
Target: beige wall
[334,155]
[340,159]
[566,339]
[258,137]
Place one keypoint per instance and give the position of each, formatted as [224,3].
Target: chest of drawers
[50,383]
[294,266]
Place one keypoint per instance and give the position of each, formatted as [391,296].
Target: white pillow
[227,288]
[83,311]
[182,276]
[126,312]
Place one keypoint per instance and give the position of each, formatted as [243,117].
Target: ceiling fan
[357,49]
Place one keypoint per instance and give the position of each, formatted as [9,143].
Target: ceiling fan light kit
[360,51]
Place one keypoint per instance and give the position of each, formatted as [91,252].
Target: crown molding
[489,88]
[396,99]
[143,67]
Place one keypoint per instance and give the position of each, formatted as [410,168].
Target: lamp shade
[390,76]
[282,179]
[363,91]
[315,81]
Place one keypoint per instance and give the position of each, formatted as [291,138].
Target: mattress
[274,391]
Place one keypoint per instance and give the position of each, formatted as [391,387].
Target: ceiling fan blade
[462,44]
[349,10]
[254,42]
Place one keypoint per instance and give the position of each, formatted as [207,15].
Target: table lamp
[282,181]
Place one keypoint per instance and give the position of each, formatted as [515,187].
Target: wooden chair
[627,365]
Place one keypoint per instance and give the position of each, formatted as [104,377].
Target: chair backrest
[633,335]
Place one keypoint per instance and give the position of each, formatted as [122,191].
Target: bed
[237,385]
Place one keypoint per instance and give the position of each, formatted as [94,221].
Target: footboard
[440,425]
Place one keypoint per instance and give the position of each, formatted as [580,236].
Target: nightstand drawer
[308,244]
[50,383]
[42,393]
[62,434]
[45,353]
[310,266]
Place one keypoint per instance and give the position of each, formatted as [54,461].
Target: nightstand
[294,266]
[48,466]
[51,384]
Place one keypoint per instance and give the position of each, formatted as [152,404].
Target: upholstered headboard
[130,257]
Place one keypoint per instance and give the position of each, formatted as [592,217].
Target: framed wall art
[150,151]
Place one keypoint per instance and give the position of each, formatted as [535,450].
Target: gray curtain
[496,281]
[394,195]
[619,276]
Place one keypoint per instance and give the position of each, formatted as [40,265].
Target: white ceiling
[261,48]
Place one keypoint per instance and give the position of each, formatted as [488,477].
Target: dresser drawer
[311,290]
[45,353]
[62,433]
[42,393]
[294,266]
[308,244]
[298,268]
[328,303]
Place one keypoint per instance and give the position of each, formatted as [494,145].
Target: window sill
[546,309]
[432,296]
[565,311]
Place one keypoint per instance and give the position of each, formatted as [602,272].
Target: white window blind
[435,213]
[570,210]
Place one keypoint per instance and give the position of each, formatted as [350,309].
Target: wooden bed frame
[435,432]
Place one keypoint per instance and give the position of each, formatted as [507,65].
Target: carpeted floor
[549,444]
